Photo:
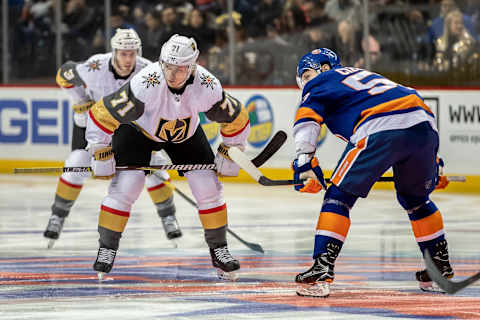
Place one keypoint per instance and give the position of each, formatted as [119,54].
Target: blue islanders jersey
[354,103]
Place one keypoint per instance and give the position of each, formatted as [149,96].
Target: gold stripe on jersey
[68,191]
[103,117]
[237,125]
[61,81]
[81,108]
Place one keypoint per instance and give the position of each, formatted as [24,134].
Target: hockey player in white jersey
[163,102]
[87,83]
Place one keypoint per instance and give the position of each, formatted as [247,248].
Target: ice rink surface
[152,280]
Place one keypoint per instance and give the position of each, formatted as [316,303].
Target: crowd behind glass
[424,42]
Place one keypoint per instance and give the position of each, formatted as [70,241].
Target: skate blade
[50,243]
[227,276]
[430,287]
[317,290]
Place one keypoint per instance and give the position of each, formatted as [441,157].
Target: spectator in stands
[315,13]
[292,22]
[34,38]
[152,35]
[347,43]
[80,21]
[197,27]
[117,21]
[267,12]
[216,61]
[345,10]
[437,28]
[457,49]
[170,23]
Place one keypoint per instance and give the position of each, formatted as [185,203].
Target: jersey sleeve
[70,80]
[310,109]
[119,107]
[233,118]
[307,125]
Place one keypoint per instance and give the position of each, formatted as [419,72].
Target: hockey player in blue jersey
[385,125]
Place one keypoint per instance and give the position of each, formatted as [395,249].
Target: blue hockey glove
[307,167]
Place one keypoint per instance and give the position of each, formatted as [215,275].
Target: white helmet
[180,51]
[126,39]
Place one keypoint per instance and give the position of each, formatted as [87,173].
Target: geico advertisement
[36,123]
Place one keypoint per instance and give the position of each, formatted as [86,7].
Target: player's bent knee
[334,193]
[409,202]
[125,189]
[206,188]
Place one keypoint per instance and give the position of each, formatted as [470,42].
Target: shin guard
[212,209]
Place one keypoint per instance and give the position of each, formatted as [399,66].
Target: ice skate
[104,262]
[317,290]
[441,260]
[54,228]
[317,279]
[225,264]
[171,227]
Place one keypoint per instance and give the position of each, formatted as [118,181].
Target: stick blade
[253,246]
[445,284]
[275,143]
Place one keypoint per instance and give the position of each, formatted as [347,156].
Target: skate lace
[169,223]
[55,223]
[106,255]
[223,254]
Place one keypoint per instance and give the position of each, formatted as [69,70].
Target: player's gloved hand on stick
[442,181]
[103,163]
[80,115]
[306,167]
[225,165]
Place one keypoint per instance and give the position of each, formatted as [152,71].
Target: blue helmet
[315,59]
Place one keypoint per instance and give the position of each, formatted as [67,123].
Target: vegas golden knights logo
[173,130]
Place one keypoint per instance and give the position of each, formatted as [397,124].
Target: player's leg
[123,191]
[207,191]
[357,170]
[162,197]
[115,209]
[414,181]
[69,185]
[332,228]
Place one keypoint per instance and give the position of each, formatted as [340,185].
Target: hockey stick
[275,143]
[445,284]
[123,168]
[242,160]
[254,246]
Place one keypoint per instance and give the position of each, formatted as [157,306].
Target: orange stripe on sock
[113,219]
[348,161]
[214,218]
[428,225]
[333,222]
[67,190]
